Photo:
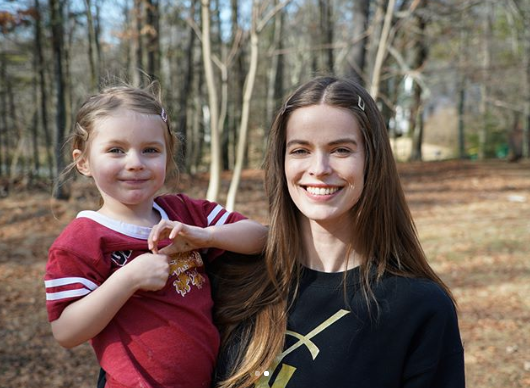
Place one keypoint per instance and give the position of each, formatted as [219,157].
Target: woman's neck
[328,247]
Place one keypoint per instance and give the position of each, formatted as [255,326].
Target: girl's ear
[81,162]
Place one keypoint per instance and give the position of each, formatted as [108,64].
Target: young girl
[147,315]
[356,303]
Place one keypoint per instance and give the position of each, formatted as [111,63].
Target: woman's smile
[324,161]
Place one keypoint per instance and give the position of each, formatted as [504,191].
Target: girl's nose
[134,161]
[320,165]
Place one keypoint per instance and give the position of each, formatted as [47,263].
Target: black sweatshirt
[411,340]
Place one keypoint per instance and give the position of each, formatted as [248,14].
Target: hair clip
[361,104]
[163,114]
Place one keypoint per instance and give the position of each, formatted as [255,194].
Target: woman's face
[324,162]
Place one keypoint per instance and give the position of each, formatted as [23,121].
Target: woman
[348,298]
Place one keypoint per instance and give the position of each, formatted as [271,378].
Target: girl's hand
[148,272]
[184,237]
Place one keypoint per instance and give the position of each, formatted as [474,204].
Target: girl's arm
[245,236]
[85,318]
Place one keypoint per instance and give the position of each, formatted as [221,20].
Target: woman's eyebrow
[296,141]
[344,140]
[333,142]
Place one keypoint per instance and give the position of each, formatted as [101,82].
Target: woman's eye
[298,151]
[343,151]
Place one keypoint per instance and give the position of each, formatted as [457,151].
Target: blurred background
[451,77]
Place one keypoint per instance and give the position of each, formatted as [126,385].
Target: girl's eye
[115,151]
[151,150]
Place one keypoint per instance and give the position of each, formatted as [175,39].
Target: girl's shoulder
[180,200]
[81,238]
[81,226]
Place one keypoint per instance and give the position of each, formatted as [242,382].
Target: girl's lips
[134,181]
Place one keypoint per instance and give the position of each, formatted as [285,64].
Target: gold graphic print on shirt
[184,266]
[284,374]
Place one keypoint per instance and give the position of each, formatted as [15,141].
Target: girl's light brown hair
[384,236]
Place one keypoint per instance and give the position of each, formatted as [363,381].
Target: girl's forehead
[133,114]
[124,116]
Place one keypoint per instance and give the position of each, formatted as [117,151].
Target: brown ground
[473,219]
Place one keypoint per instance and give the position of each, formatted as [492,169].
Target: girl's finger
[176,229]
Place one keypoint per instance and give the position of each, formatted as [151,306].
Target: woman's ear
[81,162]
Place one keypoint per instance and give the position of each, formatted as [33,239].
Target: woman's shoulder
[418,294]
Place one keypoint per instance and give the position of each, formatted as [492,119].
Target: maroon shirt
[157,339]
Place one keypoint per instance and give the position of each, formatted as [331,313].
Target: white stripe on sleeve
[72,280]
[214,214]
[67,294]
[87,287]
[222,220]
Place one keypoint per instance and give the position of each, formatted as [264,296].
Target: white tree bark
[381,51]
[215,151]
[256,28]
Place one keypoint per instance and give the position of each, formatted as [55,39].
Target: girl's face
[127,159]
[324,163]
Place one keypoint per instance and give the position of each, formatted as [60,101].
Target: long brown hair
[384,237]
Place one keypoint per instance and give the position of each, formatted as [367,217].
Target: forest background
[451,77]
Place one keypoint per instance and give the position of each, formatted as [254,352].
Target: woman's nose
[320,164]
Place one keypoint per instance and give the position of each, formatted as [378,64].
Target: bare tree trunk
[186,88]
[91,47]
[137,71]
[382,50]
[35,122]
[43,89]
[526,63]
[237,85]
[196,130]
[275,74]
[255,29]
[326,27]
[357,57]
[153,39]
[420,53]
[215,164]
[97,34]
[15,136]
[462,96]
[484,111]
[66,69]
[60,118]
[4,143]
[245,113]
[375,28]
